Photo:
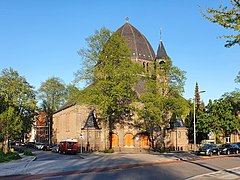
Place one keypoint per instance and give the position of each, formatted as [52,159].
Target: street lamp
[49,136]
[194,121]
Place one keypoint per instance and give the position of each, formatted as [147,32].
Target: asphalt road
[50,165]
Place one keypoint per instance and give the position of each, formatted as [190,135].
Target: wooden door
[128,140]
[114,140]
[144,141]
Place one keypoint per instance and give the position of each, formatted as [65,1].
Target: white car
[39,145]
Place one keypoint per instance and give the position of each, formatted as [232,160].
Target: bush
[9,156]
[108,151]
[28,153]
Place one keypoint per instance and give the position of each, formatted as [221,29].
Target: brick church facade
[73,120]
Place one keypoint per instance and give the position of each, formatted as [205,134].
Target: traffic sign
[81,135]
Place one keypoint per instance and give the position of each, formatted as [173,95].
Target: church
[82,122]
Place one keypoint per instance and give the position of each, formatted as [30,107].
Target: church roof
[161,53]
[137,42]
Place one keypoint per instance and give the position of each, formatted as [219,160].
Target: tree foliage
[52,93]
[227,17]
[237,79]
[71,93]
[220,116]
[90,56]
[114,77]
[162,99]
[18,105]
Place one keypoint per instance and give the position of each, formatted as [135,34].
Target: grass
[9,156]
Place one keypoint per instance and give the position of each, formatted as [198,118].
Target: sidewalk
[17,167]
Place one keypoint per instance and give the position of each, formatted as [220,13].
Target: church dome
[137,42]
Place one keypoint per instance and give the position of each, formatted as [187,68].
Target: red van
[68,146]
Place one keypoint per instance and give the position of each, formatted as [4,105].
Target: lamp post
[49,136]
[194,120]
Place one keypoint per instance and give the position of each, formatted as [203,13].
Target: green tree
[114,77]
[162,99]
[18,105]
[237,79]
[90,56]
[52,93]
[221,116]
[227,17]
[72,93]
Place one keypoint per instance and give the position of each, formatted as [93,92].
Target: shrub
[9,156]
[108,151]
[28,153]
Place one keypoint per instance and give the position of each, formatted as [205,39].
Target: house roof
[137,42]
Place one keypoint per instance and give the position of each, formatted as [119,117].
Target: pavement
[17,167]
[20,167]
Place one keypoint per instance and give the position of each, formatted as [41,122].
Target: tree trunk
[110,133]
[5,144]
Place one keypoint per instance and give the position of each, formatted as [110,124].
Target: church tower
[161,68]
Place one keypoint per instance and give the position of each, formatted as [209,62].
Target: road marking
[233,173]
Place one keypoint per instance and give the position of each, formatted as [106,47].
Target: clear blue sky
[40,38]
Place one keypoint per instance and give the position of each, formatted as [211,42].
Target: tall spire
[161,52]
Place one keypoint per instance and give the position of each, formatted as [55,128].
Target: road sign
[81,135]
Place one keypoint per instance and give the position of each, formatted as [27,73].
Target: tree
[114,77]
[90,56]
[18,105]
[72,93]
[237,79]
[227,17]
[197,97]
[162,99]
[220,116]
[52,93]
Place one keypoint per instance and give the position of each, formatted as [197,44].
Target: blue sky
[40,38]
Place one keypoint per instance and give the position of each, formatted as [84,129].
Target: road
[124,166]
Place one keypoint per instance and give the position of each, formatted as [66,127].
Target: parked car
[18,143]
[229,149]
[238,143]
[39,145]
[47,147]
[68,146]
[30,145]
[55,148]
[209,150]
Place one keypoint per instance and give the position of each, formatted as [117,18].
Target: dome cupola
[137,42]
